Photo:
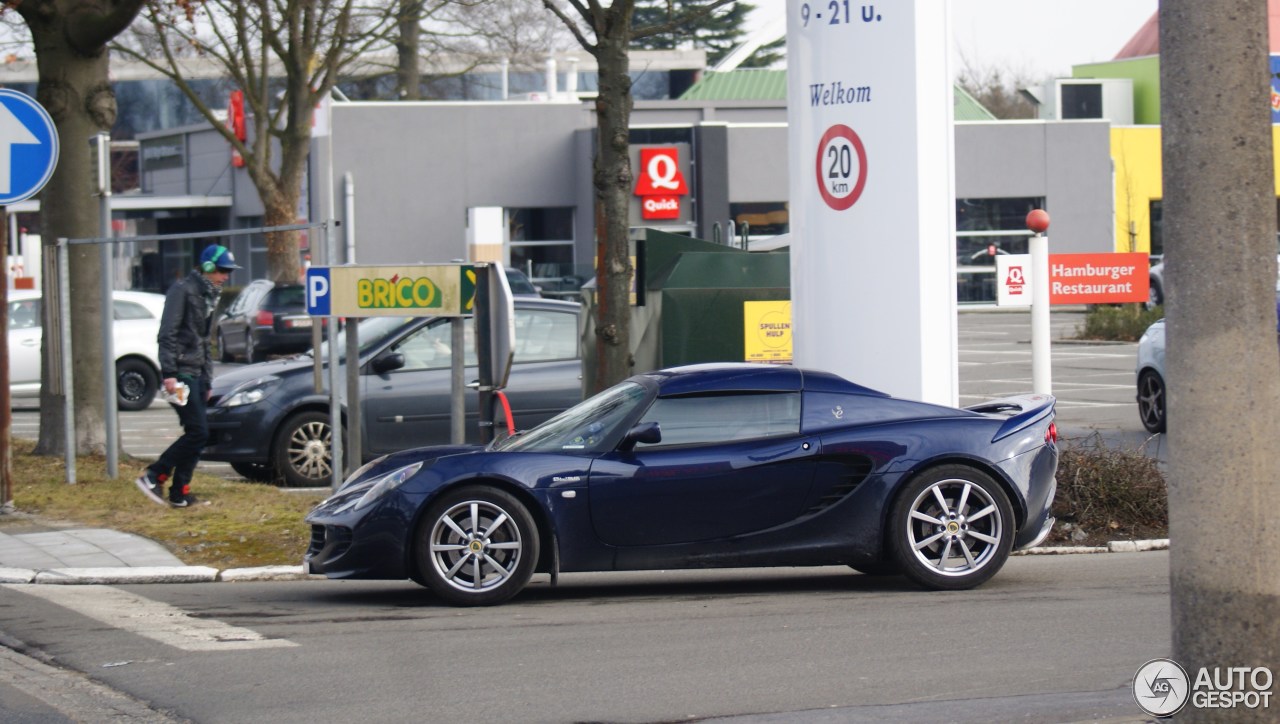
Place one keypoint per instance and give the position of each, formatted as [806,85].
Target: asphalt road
[1052,638]
[1094,383]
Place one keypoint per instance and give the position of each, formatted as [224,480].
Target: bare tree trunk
[408,47]
[74,89]
[613,181]
[1222,362]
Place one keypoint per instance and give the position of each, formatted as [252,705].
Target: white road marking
[153,619]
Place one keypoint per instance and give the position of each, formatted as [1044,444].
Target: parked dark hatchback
[268,421]
[265,318]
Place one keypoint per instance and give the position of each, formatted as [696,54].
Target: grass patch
[1107,494]
[1124,323]
[243,525]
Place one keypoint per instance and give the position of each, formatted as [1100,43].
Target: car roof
[749,377]
[148,299]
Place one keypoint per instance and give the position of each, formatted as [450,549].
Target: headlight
[359,473]
[251,392]
[387,483]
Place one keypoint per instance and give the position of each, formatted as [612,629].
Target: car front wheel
[951,528]
[1151,401]
[476,547]
[136,384]
[301,453]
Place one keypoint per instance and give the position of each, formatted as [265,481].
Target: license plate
[298,322]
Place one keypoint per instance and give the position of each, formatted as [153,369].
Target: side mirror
[387,362]
[649,433]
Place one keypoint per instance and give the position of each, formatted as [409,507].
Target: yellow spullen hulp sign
[767,331]
[371,291]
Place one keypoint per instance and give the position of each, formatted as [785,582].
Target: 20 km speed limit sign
[841,167]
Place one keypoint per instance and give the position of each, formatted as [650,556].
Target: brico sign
[660,183]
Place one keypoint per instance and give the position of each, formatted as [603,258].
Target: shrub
[1121,324]
[1107,493]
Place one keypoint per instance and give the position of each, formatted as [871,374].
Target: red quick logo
[660,183]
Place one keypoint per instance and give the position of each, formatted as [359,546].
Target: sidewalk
[35,551]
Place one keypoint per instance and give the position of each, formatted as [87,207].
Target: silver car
[1151,388]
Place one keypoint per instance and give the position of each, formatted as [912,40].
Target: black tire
[301,451]
[951,528]
[466,561]
[224,354]
[136,384]
[1151,397]
[251,352]
[1155,295]
[255,472]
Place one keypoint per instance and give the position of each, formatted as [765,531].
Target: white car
[137,324]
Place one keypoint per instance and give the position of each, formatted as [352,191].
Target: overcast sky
[1040,38]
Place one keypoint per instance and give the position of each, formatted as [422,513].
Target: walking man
[185,359]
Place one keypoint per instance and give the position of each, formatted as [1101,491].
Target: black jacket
[184,330]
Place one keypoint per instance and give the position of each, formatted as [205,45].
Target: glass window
[723,418]
[132,310]
[1081,100]
[1157,227]
[431,347]
[761,219]
[541,244]
[543,336]
[24,314]
[985,229]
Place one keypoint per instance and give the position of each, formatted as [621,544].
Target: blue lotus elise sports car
[706,466]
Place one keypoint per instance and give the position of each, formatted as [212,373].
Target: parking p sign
[318,291]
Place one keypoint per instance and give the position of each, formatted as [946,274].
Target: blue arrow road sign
[28,147]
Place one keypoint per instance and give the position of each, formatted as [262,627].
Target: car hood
[286,367]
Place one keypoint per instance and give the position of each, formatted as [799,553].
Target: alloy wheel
[476,546]
[955,527]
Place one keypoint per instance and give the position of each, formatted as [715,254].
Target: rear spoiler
[1021,410]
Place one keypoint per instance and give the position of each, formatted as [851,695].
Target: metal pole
[355,443]
[110,413]
[335,403]
[62,250]
[1041,363]
[458,383]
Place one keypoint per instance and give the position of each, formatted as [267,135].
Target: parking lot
[1094,383]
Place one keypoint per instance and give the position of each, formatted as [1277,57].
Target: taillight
[265,319]
[1051,434]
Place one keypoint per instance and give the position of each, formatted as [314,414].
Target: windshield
[371,332]
[585,427]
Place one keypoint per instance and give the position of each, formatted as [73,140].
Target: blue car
[706,466]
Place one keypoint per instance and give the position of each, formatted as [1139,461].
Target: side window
[431,347]
[723,418]
[131,310]
[542,336]
[24,314]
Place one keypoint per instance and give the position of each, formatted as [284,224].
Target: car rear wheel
[476,547]
[251,352]
[951,528]
[301,451]
[136,384]
[224,354]
[1151,401]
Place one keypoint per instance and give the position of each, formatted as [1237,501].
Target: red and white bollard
[1041,363]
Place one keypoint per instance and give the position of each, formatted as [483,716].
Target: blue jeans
[181,457]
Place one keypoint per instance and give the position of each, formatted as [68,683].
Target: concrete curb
[203,574]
